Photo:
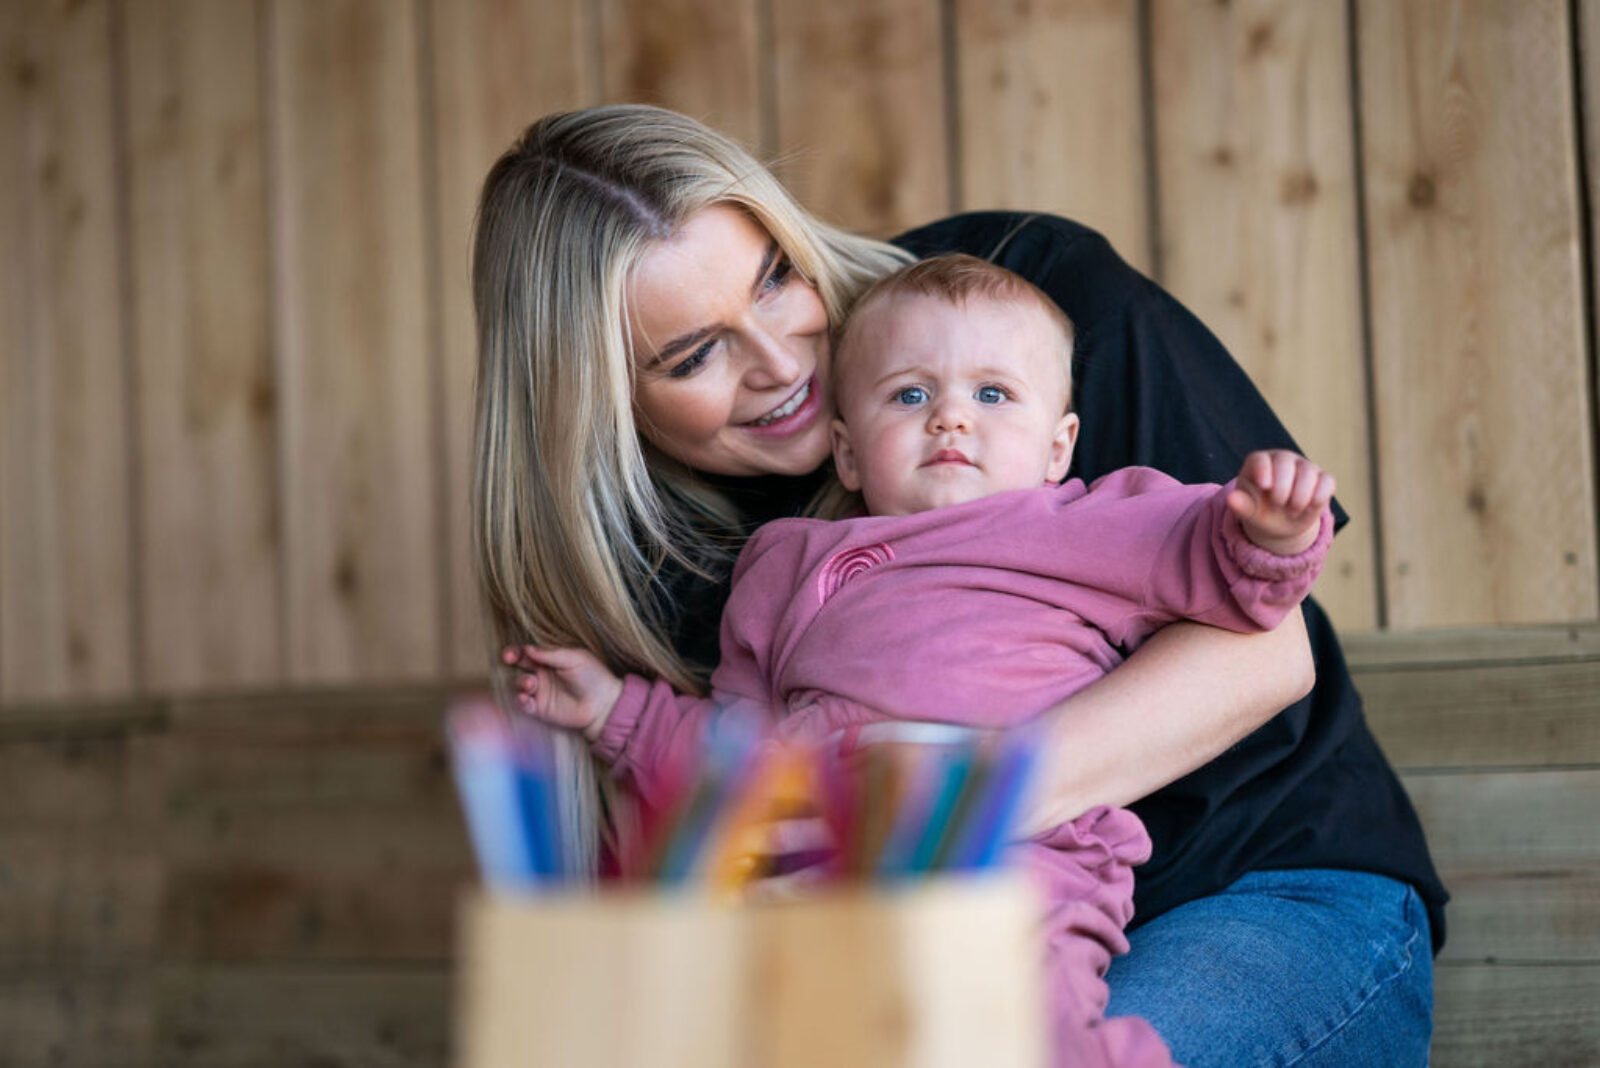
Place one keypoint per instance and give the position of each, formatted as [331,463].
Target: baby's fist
[568,688]
[1279,498]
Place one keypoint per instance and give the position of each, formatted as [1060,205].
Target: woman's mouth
[792,413]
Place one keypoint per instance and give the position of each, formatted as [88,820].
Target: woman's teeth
[786,409]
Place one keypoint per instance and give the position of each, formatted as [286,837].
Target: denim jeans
[1309,967]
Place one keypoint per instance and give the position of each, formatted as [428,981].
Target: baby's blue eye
[911,395]
[990,394]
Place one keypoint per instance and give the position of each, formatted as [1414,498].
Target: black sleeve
[1153,386]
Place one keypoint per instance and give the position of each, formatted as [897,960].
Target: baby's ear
[1066,436]
[844,457]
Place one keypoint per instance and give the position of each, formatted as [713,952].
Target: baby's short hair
[956,277]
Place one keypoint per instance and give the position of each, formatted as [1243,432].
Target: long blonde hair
[573,517]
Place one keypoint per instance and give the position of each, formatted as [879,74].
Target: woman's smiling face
[730,349]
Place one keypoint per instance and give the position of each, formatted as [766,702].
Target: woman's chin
[800,453]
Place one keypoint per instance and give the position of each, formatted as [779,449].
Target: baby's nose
[947,416]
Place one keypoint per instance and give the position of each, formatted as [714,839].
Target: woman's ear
[844,457]
[1066,436]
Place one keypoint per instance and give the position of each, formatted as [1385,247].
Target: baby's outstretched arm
[568,688]
[1279,498]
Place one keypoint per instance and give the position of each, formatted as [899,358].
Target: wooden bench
[271,879]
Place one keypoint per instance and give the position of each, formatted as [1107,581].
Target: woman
[654,314]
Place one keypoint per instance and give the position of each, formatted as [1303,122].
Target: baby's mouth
[787,408]
[948,456]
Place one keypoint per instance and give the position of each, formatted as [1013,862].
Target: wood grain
[700,57]
[1482,403]
[1526,715]
[66,588]
[860,115]
[360,449]
[1484,646]
[230,1016]
[79,899]
[942,974]
[1253,137]
[320,830]
[1490,1015]
[497,66]
[1520,854]
[1587,30]
[1051,113]
[1443,699]
[65,1017]
[207,413]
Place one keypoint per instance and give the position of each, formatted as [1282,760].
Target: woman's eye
[782,269]
[692,362]
[911,395]
[990,394]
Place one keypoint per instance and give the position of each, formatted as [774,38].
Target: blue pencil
[487,781]
[535,767]
[986,833]
[958,765]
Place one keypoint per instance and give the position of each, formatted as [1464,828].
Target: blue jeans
[1310,967]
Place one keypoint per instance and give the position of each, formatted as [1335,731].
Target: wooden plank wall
[236,358]
[238,344]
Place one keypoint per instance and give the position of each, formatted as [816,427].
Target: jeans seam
[1409,962]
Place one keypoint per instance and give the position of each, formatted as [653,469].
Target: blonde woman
[654,313]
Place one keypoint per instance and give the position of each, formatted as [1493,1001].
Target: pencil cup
[945,971]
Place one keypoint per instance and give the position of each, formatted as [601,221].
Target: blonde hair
[573,517]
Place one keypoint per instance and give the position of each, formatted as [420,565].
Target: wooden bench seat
[271,879]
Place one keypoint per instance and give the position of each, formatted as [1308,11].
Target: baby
[979,589]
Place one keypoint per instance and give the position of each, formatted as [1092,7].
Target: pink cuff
[624,717]
[1267,565]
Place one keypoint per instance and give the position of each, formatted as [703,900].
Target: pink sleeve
[652,733]
[1208,571]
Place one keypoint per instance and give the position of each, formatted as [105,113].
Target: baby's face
[942,403]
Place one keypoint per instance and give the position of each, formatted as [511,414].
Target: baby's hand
[1279,500]
[568,688]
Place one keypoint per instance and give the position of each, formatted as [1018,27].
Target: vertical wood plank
[1486,472]
[209,534]
[860,115]
[353,322]
[66,605]
[1254,140]
[1587,13]
[696,56]
[1051,113]
[498,65]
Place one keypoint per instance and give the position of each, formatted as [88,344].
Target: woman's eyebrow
[694,337]
[679,343]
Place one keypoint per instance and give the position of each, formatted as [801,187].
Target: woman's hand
[1181,700]
[568,688]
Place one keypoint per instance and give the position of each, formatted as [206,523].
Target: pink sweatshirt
[983,614]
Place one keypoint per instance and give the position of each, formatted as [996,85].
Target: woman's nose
[770,362]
